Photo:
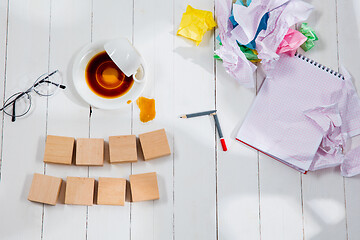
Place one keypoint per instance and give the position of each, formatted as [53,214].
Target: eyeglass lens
[18,104]
[48,84]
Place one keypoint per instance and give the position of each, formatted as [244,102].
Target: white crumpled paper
[330,152]
[339,122]
[282,15]
[234,60]
[249,18]
[280,20]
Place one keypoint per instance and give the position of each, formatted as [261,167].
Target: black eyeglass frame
[33,87]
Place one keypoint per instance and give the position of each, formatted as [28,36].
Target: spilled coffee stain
[147,108]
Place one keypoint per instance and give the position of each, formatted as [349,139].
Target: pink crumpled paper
[291,42]
[280,20]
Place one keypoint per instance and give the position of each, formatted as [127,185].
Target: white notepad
[276,123]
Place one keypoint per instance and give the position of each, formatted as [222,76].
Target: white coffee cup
[80,62]
[125,56]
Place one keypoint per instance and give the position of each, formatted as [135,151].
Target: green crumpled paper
[250,54]
[311,36]
[195,23]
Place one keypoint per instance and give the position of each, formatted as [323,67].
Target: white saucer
[78,74]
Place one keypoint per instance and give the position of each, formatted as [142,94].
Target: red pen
[222,140]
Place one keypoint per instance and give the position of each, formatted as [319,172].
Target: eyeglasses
[19,104]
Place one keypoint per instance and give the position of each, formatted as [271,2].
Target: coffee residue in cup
[105,79]
[147,109]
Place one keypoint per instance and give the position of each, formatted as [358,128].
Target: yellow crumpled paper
[195,23]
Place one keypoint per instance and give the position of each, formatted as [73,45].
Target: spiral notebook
[277,124]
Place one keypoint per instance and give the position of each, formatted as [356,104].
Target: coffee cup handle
[139,76]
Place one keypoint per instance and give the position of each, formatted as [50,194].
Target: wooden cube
[59,149]
[44,189]
[122,149]
[79,191]
[144,187]
[154,144]
[111,191]
[90,151]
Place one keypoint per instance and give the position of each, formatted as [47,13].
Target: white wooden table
[205,193]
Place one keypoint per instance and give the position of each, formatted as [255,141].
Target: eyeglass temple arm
[13,110]
[13,117]
[44,80]
[13,101]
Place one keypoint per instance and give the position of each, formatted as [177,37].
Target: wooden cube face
[144,187]
[154,144]
[59,149]
[122,149]
[111,191]
[79,191]
[44,189]
[90,151]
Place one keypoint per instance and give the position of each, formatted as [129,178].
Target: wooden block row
[90,151]
[80,190]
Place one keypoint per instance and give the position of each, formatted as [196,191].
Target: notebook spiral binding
[329,70]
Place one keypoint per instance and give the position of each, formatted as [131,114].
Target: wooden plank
[237,169]
[3,50]
[280,197]
[111,19]
[67,114]
[349,49]
[280,193]
[323,191]
[194,158]
[153,37]
[27,58]
[280,200]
